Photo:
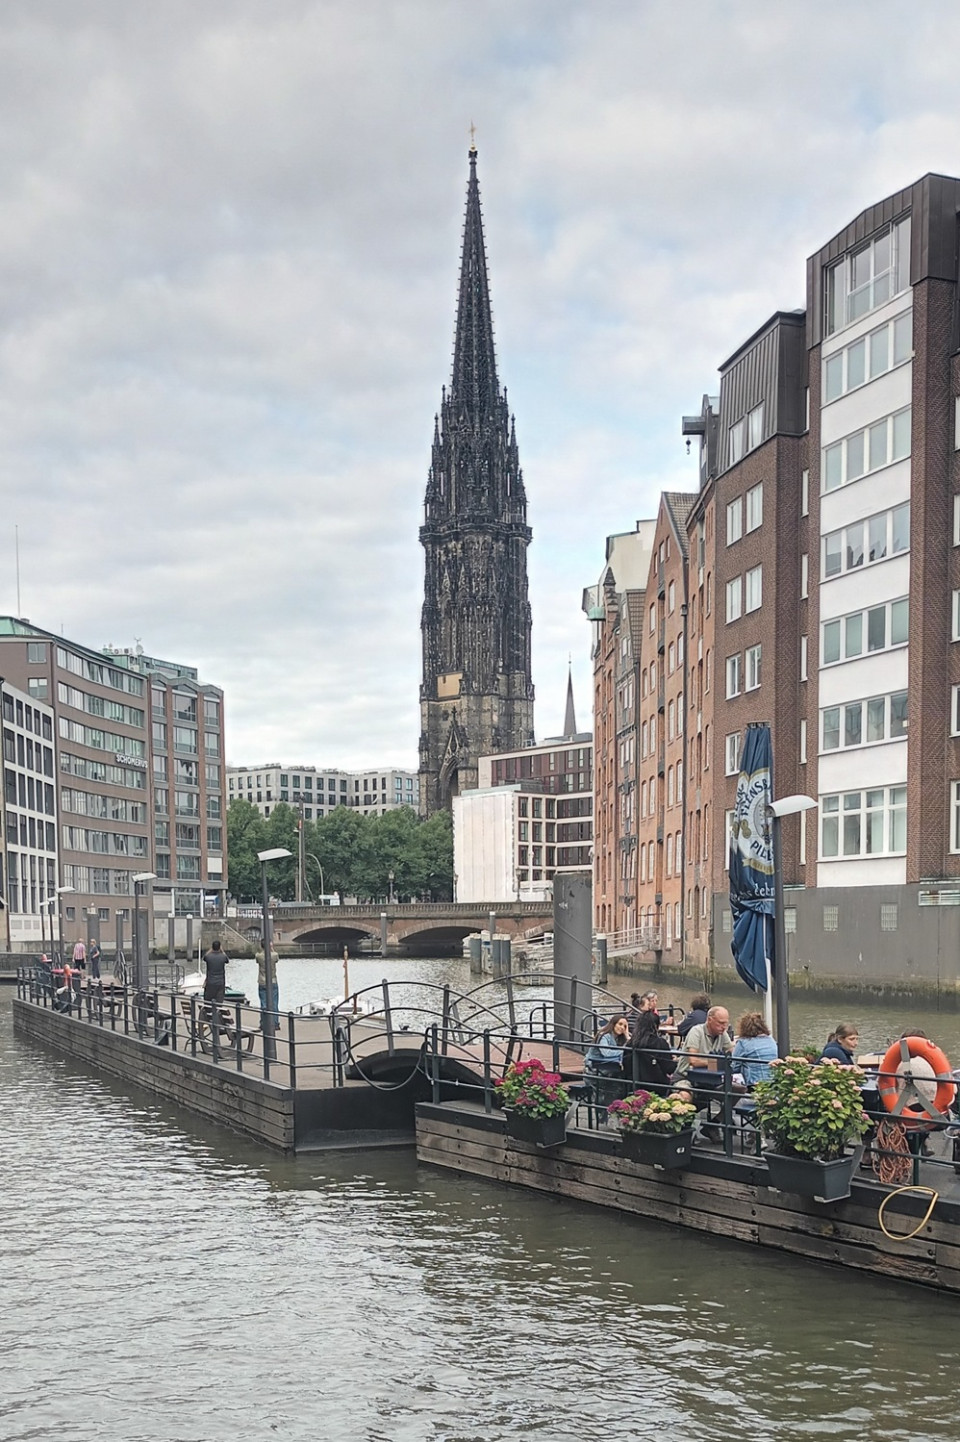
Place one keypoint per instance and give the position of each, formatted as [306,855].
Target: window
[752,659]
[831,918]
[879,444]
[804,575]
[889,916]
[956,424]
[731,750]
[671,597]
[955,711]
[865,542]
[754,499]
[878,629]
[867,277]
[864,823]
[858,723]
[734,522]
[955,816]
[734,599]
[803,746]
[804,493]
[738,434]
[870,356]
[955,636]
[753,589]
[754,431]
[956,523]
[733,676]
[803,658]
[37,688]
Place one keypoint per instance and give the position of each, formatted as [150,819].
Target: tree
[343,848]
[281,831]
[436,845]
[246,835]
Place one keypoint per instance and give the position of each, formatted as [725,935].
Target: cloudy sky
[229,239]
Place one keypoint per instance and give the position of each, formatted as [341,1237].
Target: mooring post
[388,1016]
[511,1008]
[291,1043]
[487,1088]
[446,1018]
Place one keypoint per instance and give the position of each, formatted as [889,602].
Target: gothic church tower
[477,695]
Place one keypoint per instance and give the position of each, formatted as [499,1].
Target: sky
[229,246]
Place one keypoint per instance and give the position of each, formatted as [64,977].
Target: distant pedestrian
[80,956]
[215,984]
[95,961]
[274,1008]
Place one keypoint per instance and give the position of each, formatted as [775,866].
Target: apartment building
[615,607]
[28,823]
[137,789]
[321,791]
[661,731]
[827,592]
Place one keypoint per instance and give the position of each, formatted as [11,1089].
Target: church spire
[474,391]
[570,716]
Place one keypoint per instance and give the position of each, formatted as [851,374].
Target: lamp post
[62,891]
[786,806]
[276,853]
[140,880]
[390,880]
[43,925]
[316,863]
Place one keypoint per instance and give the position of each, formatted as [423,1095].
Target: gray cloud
[228,256]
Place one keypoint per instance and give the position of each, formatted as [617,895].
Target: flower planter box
[539,1131]
[826,1181]
[655,1149]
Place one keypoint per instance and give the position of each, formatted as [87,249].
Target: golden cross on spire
[473,136]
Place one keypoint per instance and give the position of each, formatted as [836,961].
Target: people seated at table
[696,1016]
[603,1059]
[706,1041]
[841,1044]
[650,1060]
[754,1048]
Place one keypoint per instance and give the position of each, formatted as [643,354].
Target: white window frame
[753,589]
[842,450]
[753,667]
[838,277]
[803,741]
[734,521]
[753,500]
[862,705]
[734,675]
[803,658]
[731,754]
[955,633]
[955,817]
[804,575]
[837,807]
[956,519]
[804,493]
[734,599]
[737,442]
[956,423]
[887,606]
[955,711]
[842,539]
[897,332]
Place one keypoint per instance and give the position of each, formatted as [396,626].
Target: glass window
[856,364]
[876,712]
[855,455]
[833,466]
[831,642]
[877,528]
[898,714]
[901,434]
[755,428]
[878,445]
[754,500]
[734,525]
[903,337]
[833,377]
[852,724]
[877,628]
[733,676]
[899,622]
[753,586]
[831,728]
[900,528]
[879,351]
[832,554]
[853,635]
[734,598]
[753,668]
[854,546]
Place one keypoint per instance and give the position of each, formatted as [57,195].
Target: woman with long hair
[603,1059]
[754,1048]
[652,1060]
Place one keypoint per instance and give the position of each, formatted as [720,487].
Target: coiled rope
[905,1236]
[892,1160]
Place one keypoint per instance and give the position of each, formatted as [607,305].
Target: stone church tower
[476,696]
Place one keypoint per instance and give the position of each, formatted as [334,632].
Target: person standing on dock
[95,960]
[215,984]
[262,988]
[80,956]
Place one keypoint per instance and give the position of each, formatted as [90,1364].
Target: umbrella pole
[768,998]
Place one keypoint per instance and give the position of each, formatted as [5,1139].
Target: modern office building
[320,791]
[28,823]
[138,758]
[549,816]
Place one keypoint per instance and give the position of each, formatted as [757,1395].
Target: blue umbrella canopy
[751,861]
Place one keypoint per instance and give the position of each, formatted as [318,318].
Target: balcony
[662,638]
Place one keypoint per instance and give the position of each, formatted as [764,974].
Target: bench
[226,1025]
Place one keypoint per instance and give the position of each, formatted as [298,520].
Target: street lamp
[390,880]
[139,879]
[267,1020]
[316,863]
[62,891]
[786,806]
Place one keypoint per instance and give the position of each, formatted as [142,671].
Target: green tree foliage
[357,853]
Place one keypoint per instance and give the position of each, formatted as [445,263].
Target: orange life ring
[888,1081]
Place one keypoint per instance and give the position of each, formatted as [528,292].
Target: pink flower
[838,1105]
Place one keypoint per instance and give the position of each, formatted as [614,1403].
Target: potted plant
[655,1130]
[810,1113]
[535,1103]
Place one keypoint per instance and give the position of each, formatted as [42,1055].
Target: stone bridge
[417,928]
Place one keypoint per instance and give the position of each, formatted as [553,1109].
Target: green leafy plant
[531,1090]
[811,1111]
[642,1112]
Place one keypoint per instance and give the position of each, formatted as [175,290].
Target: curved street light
[268,1019]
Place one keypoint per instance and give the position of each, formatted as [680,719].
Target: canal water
[164,1279]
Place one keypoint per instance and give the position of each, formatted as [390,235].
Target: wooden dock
[724,1196]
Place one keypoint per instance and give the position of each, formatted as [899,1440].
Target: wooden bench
[226,1025]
